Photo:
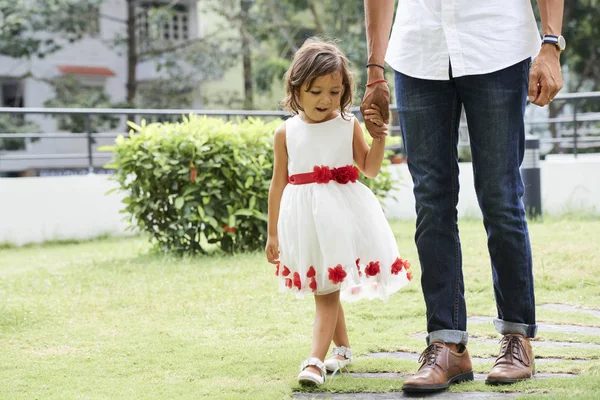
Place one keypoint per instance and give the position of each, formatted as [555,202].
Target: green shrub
[202,181]
[384,183]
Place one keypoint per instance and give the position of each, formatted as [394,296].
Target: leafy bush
[384,183]
[202,182]
[16,124]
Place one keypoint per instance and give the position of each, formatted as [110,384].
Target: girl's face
[322,100]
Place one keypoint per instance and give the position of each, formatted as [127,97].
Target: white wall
[568,185]
[77,207]
[52,208]
[403,207]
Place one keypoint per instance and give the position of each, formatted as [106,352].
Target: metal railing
[91,136]
[575,117]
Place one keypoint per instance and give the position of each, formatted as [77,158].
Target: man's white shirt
[475,36]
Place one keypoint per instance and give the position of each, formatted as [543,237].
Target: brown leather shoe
[440,367]
[515,362]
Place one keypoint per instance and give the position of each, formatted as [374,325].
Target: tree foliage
[71,92]
[15,124]
[23,21]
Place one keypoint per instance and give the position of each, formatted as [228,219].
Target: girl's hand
[272,250]
[374,115]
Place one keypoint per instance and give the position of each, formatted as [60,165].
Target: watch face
[562,43]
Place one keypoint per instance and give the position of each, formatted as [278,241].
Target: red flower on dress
[277,270]
[337,274]
[409,275]
[356,290]
[322,174]
[313,284]
[373,268]
[398,265]
[288,283]
[358,267]
[311,272]
[286,271]
[297,282]
[346,174]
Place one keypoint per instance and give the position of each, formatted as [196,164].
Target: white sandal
[310,378]
[333,364]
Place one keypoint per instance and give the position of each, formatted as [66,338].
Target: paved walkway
[542,327]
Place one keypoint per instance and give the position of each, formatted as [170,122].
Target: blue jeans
[429,113]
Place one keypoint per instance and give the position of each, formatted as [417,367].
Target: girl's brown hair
[314,59]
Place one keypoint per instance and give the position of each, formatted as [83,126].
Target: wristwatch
[557,40]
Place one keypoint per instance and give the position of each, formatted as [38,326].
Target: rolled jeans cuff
[448,336]
[505,327]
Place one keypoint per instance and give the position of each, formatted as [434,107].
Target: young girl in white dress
[327,233]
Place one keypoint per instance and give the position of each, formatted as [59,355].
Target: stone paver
[478,377]
[405,355]
[564,307]
[546,327]
[401,395]
[535,342]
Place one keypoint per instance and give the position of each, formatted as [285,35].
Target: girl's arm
[278,183]
[367,159]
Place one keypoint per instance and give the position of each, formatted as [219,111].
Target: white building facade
[97,63]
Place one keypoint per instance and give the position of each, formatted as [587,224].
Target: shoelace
[511,344]
[429,355]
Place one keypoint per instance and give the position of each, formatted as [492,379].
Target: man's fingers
[371,111]
[534,80]
[544,96]
[553,95]
[375,120]
[375,110]
[556,87]
[385,112]
[373,114]
[376,130]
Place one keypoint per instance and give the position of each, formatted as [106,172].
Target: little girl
[327,233]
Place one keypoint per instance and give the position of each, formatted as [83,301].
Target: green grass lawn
[108,319]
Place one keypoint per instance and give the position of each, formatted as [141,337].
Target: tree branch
[176,46]
[284,32]
[318,26]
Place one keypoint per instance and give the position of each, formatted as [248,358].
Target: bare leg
[326,318]
[340,335]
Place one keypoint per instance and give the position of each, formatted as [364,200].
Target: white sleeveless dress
[333,236]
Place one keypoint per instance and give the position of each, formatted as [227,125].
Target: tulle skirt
[335,237]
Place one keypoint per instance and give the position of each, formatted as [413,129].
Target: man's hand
[545,76]
[373,115]
[377,94]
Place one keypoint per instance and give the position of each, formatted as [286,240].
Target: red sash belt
[324,174]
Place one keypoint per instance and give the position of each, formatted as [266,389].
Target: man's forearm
[379,15]
[551,14]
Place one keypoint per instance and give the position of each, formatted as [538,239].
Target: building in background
[98,64]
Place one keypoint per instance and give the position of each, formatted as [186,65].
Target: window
[158,22]
[92,15]
[12,93]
